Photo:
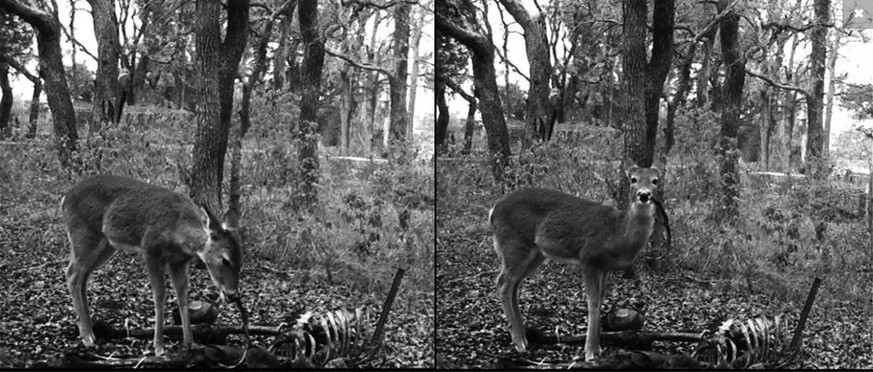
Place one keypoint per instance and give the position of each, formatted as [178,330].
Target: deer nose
[644,195]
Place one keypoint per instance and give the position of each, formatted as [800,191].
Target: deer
[530,225]
[105,213]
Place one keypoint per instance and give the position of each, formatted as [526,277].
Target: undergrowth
[369,220]
[789,231]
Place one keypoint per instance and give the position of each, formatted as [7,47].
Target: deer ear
[629,164]
[660,164]
[214,223]
[231,219]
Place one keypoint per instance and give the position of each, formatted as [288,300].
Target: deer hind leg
[89,251]
[519,261]
[594,280]
[179,277]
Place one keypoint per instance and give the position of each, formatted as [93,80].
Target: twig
[386,308]
[804,314]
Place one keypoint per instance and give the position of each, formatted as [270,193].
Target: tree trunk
[217,64]
[485,81]
[106,87]
[663,16]
[346,92]
[814,101]
[34,108]
[260,65]
[209,148]
[634,83]
[5,100]
[536,45]
[732,95]
[397,80]
[766,115]
[468,126]
[413,76]
[678,98]
[702,89]
[51,67]
[282,50]
[442,119]
[313,60]
[829,104]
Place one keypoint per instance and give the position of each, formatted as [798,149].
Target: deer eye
[655,181]
[633,180]
[225,262]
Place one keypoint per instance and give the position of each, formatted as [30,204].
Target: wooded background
[738,95]
[297,118]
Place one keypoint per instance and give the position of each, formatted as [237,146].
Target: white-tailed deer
[531,225]
[106,213]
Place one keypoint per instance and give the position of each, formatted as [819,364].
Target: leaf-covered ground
[37,320]
[472,331]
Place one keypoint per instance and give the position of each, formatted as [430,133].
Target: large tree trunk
[208,145]
[5,99]
[313,59]
[106,88]
[485,81]
[634,83]
[663,15]
[397,80]
[732,97]
[814,101]
[217,64]
[536,45]
[51,67]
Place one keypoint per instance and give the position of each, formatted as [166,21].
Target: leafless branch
[18,67]
[357,64]
[79,44]
[779,85]
[514,67]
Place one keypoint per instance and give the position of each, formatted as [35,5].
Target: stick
[386,308]
[804,314]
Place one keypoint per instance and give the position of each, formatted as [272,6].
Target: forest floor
[38,320]
[472,331]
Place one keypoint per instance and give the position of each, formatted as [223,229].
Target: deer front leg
[159,284]
[179,276]
[594,288]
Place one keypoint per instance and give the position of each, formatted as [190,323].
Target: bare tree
[485,80]
[51,69]
[536,45]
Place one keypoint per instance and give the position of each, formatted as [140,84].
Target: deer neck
[638,223]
